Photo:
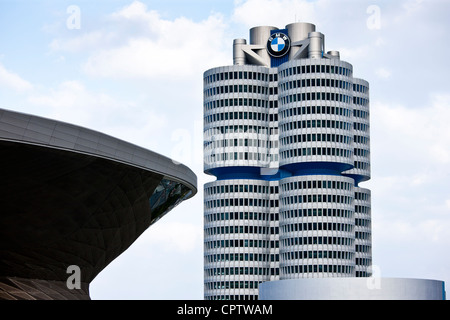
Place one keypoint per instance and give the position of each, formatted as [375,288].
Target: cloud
[417,136]
[191,48]
[277,13]
[84,42]
[136,9]
[410,176]
[355,52]
[412,7]
[134,121]
[136,42]
[424,231]
[72,100]
[13,81]
[176,237]
[383,73]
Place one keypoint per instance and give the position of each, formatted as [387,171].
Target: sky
[134,70]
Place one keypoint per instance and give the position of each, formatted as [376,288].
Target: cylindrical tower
[238,54]
[317,227]
[297,32]
[361,129]
[241,206]
[363,232]
[288,145]
[236,119]
[316,45]
[236,244]
[316,115]
[316,145]
[361,173]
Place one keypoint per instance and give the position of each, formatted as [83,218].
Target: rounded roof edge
[37,130]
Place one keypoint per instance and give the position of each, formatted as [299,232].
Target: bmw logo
[278,44]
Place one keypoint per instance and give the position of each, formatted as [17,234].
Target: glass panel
[167,195]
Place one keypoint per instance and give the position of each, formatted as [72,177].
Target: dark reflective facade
[63,207]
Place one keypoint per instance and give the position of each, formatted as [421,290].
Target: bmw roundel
[278,44]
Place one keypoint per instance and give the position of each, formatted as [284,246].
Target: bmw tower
[287,137]
[286,134]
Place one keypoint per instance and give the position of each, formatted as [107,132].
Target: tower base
[353,289]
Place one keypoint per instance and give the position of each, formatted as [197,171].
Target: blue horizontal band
[251,173]
[358,178]
[276,174]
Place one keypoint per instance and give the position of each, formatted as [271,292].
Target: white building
[286,134]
